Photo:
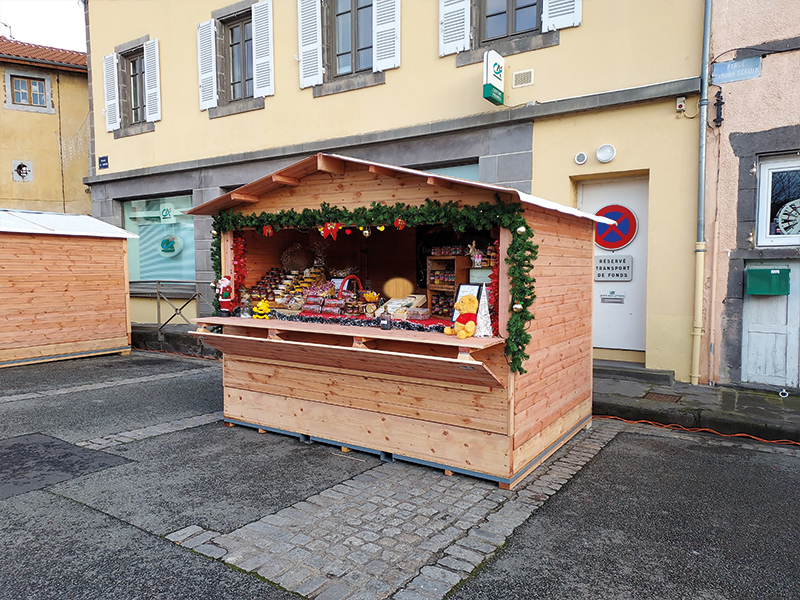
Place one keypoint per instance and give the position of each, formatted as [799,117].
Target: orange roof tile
[35,54]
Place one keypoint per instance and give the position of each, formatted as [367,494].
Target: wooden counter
[424,397]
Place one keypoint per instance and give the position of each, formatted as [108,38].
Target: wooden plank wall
[558,383]
[359,187]
[409,398]
[61,294]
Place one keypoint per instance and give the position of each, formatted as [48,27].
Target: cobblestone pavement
[397,531]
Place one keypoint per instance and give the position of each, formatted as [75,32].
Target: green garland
[521,252]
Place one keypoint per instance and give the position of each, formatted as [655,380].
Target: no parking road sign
[615,237]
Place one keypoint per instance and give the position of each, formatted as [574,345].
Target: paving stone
[253,563]
[295,576]
[439,574]
[335,590]
[456,565]
[337,568]
[489,536]
[211,550]
[312,585]
[477,545]
[464,554]
[359,557]
[184,534]
[430,587]
[410,595]
[201,538]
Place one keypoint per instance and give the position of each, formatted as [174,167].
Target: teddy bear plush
[464,325]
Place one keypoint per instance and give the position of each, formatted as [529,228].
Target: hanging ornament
[268,231]
[331,229]
[348,231]
[381,227]
[214,232]
[517,307]
[367,232]
[521,229]
[399,223]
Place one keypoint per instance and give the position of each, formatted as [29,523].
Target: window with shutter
[152,82]
[206,64]
[263,61]
[386,35]
[361,39]
[310,37]
[454,26]
[131,77]
[470,27]
[560,14]
[111,86]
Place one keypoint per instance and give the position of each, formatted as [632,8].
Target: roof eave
[34,62]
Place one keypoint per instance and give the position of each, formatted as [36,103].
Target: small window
[137,96]
[779,202]
[239,57]
[28,91]
[505,18]
[352,30]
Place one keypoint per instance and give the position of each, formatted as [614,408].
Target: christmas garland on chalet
[522,252]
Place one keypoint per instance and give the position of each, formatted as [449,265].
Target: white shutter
[453,26]
[558,14]
[112,91]
[263,56]
[309,19]
[207,63]
[152,81]
[385,35]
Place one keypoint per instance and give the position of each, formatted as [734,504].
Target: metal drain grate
[661,397]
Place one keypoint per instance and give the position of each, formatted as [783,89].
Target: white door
[771,333]
[620,287]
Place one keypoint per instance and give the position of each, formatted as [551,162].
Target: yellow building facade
[598,108]
[44,128]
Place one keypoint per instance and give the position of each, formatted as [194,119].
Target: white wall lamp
[580,158]
[606,153]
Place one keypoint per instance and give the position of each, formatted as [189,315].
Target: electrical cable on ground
[698,430]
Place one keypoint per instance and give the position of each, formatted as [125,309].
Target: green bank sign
[493,77]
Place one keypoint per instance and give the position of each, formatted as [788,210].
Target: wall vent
[522,78]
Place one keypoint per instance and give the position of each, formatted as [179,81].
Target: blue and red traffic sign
[615,237]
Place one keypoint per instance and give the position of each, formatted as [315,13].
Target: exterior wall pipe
[700,245]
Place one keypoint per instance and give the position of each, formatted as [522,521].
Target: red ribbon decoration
[399,223]
[331,229]
[268,231]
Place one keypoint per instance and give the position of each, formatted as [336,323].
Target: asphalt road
[653,515]
[660,516]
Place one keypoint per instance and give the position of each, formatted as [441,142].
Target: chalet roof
[334,163]
[33,54]
[28,221]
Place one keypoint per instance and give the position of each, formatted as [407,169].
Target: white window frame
[766,168]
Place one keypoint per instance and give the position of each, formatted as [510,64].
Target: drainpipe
[700,245]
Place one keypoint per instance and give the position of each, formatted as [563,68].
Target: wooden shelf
[325,329]
[459,265]
[369,351]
